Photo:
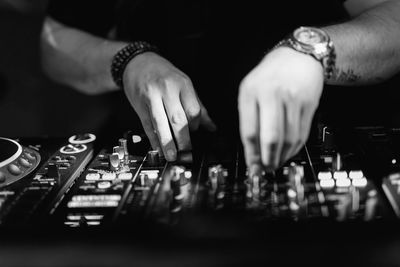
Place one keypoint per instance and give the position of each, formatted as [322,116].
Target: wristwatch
[314,42]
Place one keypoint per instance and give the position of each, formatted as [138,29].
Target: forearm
[77,59]
[367,47]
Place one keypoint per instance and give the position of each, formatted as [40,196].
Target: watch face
[310,36]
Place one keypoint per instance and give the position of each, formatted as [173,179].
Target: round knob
[24,163]
[2,177]
[114,161]
[177,176]
[216,175]
[14,169]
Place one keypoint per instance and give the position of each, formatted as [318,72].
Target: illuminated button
[343,182]
[188,174]
[24,163]
[96,198]
[324,175]
[329,183]
[152,174]
[291,193]
[125,176]
[94,217]
[14,169]
[356,174]
[2,177]
[109,176]
[93,176]
[360,182]
[136,139]
[92,204]
[340,175]
[74,217]
[104,185]
[93,223]
[294,206]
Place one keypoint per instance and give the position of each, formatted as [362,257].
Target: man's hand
[277,101]
[165,101]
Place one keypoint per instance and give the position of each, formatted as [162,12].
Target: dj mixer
[81,182]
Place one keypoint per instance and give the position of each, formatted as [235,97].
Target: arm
[368,47]
[76,58]
[159,92]
[278,98]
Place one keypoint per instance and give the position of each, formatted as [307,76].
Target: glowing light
[125,176]
[340,175]
[343,182]
[356,174]
[291,193]
[188,174]
[360,182]
[324,175]
[150,174]
[136,139]
[327,183]
[93,176]
[109,176]
[104,185]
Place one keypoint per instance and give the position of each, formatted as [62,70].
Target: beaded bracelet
[126,54]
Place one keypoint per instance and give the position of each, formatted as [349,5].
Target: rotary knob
[217,176]
[114,162]
[177,175]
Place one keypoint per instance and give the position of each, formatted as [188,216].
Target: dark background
[31,104]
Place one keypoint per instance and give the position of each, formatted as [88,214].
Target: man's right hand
[166,102]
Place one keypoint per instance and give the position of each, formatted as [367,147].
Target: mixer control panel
[82,183]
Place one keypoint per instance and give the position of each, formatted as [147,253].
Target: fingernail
[171,155]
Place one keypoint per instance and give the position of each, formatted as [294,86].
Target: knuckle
[178,118]
[193,112]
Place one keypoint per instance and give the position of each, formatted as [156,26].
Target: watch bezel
[318,50]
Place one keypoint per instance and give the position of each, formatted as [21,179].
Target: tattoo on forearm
[348,76]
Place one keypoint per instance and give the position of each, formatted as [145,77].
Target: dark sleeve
[93,16]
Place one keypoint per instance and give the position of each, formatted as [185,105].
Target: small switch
[24,163]
[14,169]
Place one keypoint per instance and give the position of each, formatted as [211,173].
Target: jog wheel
[16,161]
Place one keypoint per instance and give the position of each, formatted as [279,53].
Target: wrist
[314,42]
[292,63]
[125,55]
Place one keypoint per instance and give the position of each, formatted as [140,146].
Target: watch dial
[310,36]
